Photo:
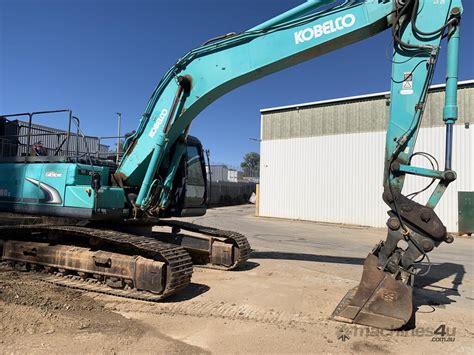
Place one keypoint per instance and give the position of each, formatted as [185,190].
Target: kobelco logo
[158,123]
[325,28]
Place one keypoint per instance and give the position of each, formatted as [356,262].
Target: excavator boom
[208,72]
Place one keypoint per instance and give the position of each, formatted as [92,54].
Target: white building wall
[338,178]
[232,175]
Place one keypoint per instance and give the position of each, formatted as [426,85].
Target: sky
[98,57]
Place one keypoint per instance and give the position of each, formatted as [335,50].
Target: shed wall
[338,178]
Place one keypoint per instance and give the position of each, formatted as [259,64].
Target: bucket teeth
[380,300]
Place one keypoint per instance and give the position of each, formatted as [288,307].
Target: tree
[251,164]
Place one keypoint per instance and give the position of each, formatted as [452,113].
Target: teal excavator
[96,217]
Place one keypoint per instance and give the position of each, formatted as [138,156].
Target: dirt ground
[278,303]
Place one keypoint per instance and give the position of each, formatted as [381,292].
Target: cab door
[195,188]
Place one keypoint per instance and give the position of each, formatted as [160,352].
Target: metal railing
[21,144]
[30,122]
[119,151]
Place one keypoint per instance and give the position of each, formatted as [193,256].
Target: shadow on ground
[425,292]
[191,291]
[307,257]
[427,296]
[248,265]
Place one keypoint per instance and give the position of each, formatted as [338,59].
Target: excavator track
[241,246]
[175,274]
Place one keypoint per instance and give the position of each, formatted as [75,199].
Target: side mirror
[95,181]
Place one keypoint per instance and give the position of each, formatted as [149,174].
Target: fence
[224,193]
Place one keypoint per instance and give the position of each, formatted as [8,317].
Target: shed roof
[461,84]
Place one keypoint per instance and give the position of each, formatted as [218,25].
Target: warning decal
[407,85]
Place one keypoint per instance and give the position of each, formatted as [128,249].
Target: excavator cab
[190,191]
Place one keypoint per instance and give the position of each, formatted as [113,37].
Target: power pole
[119,121]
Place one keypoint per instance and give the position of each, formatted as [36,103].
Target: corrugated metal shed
[311,166]
[219,173]
[368,113]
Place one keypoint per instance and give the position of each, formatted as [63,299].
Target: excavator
[95,231]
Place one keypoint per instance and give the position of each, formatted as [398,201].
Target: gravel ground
[278,303]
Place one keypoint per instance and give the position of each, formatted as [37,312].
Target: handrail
[18,140]
[30,121]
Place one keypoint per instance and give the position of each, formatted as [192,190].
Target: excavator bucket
[380,300]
